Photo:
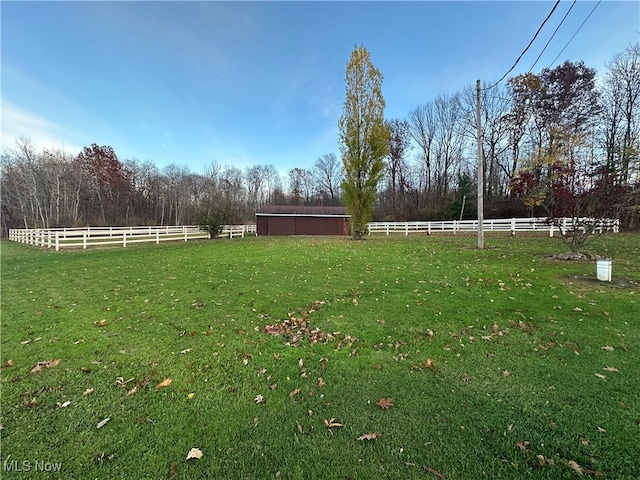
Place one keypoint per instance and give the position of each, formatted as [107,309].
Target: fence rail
[59,238]
[84,237]
[511,225]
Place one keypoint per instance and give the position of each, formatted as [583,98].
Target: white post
[124,238]
[84,239]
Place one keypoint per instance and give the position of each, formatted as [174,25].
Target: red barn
[295,220]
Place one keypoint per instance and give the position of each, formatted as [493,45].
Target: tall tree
[364,139]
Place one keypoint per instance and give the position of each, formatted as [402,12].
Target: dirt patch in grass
[616,282]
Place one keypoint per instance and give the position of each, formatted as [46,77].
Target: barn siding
[296,220]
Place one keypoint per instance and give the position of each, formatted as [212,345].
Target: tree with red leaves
[109,180]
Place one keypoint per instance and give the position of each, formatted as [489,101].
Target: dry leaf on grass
[435,472]
[63,405]
[575,466]
[370,436]
[332,424]
[611,369]
[599,375]
[294,392]
[165,383]
[194,453]
[608,348]
[47,364]
[103,422]
[259,399]
[385,403]
[522,445]
[88,391]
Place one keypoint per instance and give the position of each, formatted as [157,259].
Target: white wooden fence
[99,236]
[511,225]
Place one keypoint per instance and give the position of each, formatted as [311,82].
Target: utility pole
[480,170]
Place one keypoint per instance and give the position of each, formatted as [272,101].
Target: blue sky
[261,83]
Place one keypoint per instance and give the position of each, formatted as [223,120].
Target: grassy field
[321,358]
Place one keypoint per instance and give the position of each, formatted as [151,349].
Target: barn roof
[293,210]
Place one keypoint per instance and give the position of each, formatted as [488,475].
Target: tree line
[564,131]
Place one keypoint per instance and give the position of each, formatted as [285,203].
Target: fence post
[124,238]
[513,226]
[57,241]
[551,230]
[184,229]
[84,239]
[157,236]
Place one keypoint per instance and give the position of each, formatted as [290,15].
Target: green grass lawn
[271,355]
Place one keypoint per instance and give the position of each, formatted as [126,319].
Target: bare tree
[620,125]
[327,177]
[399,143]
[422,128]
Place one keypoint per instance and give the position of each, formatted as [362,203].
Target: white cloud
[43,133]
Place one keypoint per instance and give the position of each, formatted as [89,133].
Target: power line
[525,50]
[553,35]
[579,28]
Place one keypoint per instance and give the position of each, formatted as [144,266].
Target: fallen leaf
[611,369]
[120,382]
[522,445]
[259,398]
[370,436]
[186,350]
[194,453]
[332,423]
[273,386]
[47,364]
[321,383]
[132,391]
[601,430]
[190,395]
[63,405]
[506,373]
[385,403]
[584,441]
[88,391]
[599,375]
[434,472]
[300,363]
[575,466]
[428,363]
[595,473]
[294,392]
[299,427]
[101,323]
[542,461]
[165,383]
[174,470]
[608,348]
[103,422]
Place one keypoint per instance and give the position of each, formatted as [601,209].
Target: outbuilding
[298,220]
